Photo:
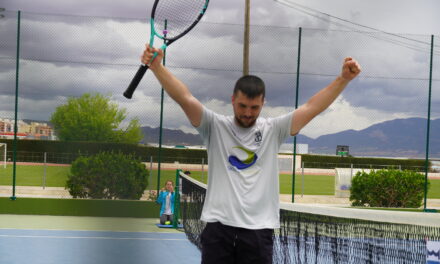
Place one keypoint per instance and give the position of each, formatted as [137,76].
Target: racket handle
[135,82]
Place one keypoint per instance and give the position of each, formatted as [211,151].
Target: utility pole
[246,38]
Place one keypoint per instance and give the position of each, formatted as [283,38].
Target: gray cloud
[64,56]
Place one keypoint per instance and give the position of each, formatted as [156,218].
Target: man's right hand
[148,55]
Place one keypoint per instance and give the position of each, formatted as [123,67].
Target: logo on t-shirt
[258,138]
[242,158]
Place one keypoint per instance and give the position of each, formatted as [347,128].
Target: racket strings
[179,15]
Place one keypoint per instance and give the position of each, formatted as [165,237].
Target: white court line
[84,230]
[85,237]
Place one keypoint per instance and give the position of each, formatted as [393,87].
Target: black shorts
[224,244]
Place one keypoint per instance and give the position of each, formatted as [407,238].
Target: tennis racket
[170,20]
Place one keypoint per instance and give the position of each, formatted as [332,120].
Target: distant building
[10,135]
[32,130]
[6,125]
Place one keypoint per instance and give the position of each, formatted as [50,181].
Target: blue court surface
[22,246]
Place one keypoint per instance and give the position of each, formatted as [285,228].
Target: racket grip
[135,82]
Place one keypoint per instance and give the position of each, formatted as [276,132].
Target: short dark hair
[251,85]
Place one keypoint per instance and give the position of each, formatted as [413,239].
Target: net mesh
[178,14]
[193,198]
[334,235]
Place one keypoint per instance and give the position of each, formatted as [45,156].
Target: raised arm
[324,98]
[173,86]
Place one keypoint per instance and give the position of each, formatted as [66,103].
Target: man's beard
[240,123]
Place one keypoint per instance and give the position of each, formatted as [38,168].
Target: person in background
[166,200]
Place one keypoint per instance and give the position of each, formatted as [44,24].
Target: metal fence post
[296,106]
[45,167]
[428,126]
[203,169]
[302,172]
[17,70]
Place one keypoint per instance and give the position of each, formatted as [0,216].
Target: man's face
[246,110]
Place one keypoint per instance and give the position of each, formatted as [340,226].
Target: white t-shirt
[243,184]
[168,204]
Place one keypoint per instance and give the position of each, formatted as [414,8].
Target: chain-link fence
[384,112]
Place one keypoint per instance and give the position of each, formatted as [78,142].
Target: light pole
[246,38]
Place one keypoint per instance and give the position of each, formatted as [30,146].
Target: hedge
[330,162]
[69,151]
[388,188]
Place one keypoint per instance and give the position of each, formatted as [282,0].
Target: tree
[94,118]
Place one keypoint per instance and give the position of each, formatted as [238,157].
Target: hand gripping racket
[170,20]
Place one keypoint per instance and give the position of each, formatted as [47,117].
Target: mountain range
[393,138]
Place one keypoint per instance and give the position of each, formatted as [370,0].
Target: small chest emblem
[258,137]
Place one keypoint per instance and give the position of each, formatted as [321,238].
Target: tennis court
[75,240]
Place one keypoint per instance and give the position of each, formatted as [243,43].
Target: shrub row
[68,151]
[330,162]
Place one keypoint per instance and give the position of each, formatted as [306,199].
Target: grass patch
[434,189]
[313,184]
[26,175]
[308,185]
[56,176]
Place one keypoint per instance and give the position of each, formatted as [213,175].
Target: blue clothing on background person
[161,199]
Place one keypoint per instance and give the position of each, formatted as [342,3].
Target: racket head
[171,19]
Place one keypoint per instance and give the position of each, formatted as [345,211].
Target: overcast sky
[75,46]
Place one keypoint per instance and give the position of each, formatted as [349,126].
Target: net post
[177,200]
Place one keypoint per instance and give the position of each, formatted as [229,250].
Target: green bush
[107,175]
[388,188]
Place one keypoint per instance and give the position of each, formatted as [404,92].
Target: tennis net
[318,234]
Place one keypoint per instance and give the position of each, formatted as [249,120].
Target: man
[242,201]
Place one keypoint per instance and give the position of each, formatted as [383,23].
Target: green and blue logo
[243,158]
